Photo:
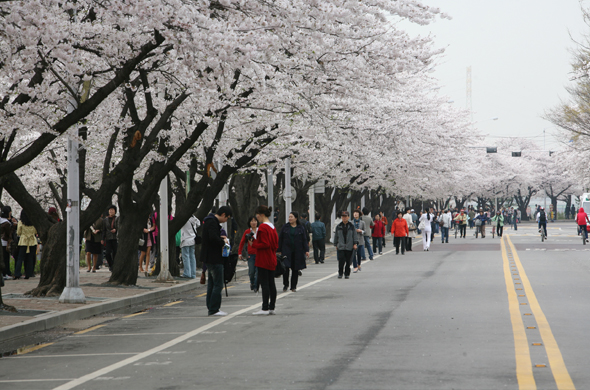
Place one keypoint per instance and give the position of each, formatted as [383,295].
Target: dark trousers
[319,250]
[409,244]
[499,230]
[26,259]
[462,230]
[294,278]
[6,259]
[111,252]
[377,243]
[344,260]
[399,241]
[266,279]
[214,287]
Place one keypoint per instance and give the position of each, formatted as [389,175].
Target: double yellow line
[517,283]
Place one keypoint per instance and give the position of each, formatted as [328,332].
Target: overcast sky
[520,59]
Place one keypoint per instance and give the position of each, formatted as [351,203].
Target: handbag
[478,222]
[422,225]
[141,242]
[412,227]
[280,269]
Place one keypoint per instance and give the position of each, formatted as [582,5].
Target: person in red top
[247,248]
[266,243]
[400,230]
[582,218]
[378,233]
[385,223]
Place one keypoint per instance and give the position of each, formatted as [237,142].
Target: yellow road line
[22,351]
[89,329]
[200,295]
[524,366]
[173,303]
[560,372]
[136,314]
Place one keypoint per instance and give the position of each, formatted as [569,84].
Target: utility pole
[288,193]
[164,275]
[270,187]
[312,204]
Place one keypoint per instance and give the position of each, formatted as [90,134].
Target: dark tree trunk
[374,203]
[388,207]
[523,202]
[301,204]
[460,203]
[52,280]
[243,200]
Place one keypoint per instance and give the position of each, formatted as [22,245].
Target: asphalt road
[471,314]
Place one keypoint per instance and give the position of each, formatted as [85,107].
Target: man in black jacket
[211,254]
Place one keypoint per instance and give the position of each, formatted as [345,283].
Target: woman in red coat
[266,243]
[399,229]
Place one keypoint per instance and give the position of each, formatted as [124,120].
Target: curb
[51,320]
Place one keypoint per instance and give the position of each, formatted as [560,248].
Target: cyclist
[542,220]
[498,223]
[461,219]
[582,218]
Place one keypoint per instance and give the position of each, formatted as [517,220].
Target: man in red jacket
[400,230]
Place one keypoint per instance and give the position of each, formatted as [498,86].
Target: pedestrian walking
[294,246]
[498,223]
[400,230]
[248,250]
[471,216]
[424,226]
[573,212]
[211,254]
[93,247]
[266,244]
[188,237]
[377,234]
[8,226]
[345,241]
[359,226]
[385,223]
[445,224]
[412,229]
[110,229]
[148,243]
[480,223]
[27,247]
[367,236]
[318,235]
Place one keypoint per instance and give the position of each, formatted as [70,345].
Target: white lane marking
[99,373]
[127,334]
[34,380]
[72,355]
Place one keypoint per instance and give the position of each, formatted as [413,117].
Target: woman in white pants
[426,217]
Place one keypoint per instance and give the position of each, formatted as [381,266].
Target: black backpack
[542,216]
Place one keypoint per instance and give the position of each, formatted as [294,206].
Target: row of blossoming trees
[155,89]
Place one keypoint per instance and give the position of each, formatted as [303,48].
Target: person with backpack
[266,244]
[318,238]
[27,247]
[188,240]
[542,220]
[293,244]
[212,245]
[247,248]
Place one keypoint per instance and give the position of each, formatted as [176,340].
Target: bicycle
[456,229]
[493,230]
[542,230]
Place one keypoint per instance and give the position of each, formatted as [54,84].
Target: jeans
[6,257]
[26,259]
[344,260]
[319,250]
[111,251]
[444,236]
[266,278]
[253,272]
[584,230]
[189,261]
[214,287]
[368,247]
[399,241]
[356,260]
[377,242]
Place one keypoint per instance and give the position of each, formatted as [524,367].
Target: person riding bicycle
[498,223]
[461,220]
[542,220]
[581,219]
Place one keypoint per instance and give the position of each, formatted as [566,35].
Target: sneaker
[220,313]
[285,289]
[271,312]
[294,290]
[347,277]
[339,276]
[299,273]
[261,313]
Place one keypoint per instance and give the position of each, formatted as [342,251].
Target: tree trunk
[244,199]
[324,205]
[523,202]
[301,204]
[52,280]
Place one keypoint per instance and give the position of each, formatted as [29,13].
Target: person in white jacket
[188,234]
[446,218]
[425,219]
[412,233]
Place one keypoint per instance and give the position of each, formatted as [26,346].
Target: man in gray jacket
[345,241]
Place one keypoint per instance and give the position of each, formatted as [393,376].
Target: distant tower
[469,99]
